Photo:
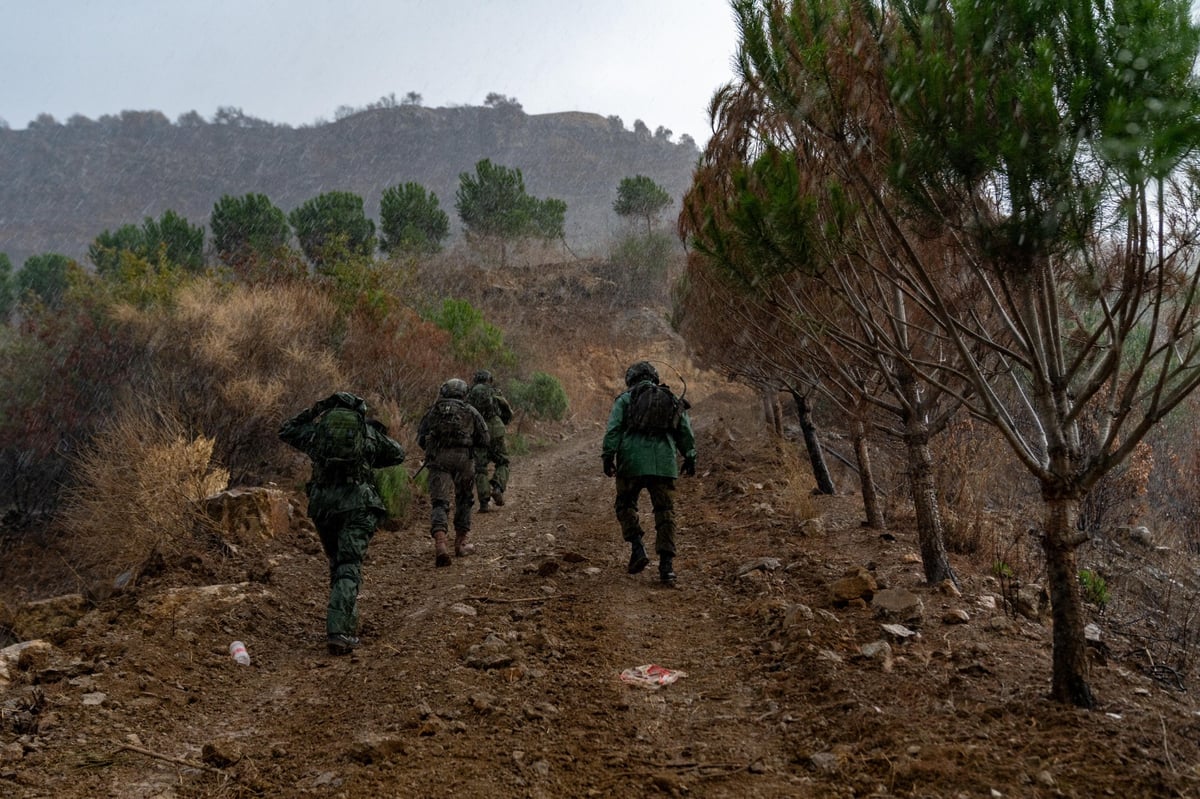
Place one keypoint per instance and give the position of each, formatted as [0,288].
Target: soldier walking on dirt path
[450,432]
[343,503]
[495,410]
[648,425]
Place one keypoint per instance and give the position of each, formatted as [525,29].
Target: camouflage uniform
[346,510]
[646,461]
[451,468]
[495,410]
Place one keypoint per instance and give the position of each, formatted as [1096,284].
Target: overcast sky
[296,61]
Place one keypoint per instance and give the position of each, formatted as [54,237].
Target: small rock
[463,609]
[948,588]
[898,631]
[876,650]
[857,583]
[95,698]
[900,604]
[999,624]
[880,652]
[796,614]
[482,703]
[824,762]
[374,749]
[812,528]
[761,564]
[956,616]
[220,754]
[668,784]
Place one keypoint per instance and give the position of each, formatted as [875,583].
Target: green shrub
[1094,587]
[644,256]
[517,444]
[473,339]
[542,396]
[396,489]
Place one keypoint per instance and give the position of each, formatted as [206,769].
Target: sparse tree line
[916,237]
[249,233]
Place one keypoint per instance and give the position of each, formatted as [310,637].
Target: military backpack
[340,444]
[653,409]
[451,424]
[482,397]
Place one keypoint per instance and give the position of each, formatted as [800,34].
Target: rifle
[418,471]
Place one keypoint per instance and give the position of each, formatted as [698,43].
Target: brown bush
[138,492]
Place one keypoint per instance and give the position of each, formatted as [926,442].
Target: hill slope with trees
[63,184]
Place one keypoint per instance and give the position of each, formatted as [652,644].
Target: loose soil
[499,676]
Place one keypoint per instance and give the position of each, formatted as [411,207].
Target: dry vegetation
[780,699]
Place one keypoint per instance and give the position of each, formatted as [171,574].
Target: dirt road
[499,676]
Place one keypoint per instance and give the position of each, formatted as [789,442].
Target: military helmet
[642,370]
[454,388]
[483,376]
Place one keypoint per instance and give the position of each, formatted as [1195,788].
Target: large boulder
[249,515]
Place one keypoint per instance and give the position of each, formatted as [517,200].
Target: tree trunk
[773,411]
[866,477]
[1069,683]
[930,533]
[816,456]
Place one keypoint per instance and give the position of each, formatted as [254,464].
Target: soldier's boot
[440,552]
[666,568]
[497,496]
[461,545]
[637,556]
[483,506]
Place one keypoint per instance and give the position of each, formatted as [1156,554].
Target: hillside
[62,184]
[499,676]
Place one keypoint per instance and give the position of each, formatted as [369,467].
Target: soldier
[450,432]
[343,503]
[495,410]
[646,427]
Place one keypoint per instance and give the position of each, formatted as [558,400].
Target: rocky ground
[815,661]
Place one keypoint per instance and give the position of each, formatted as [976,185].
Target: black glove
[610,465]
[689,466]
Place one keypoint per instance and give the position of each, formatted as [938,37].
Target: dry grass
[138,496]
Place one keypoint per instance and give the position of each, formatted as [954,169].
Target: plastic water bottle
[238,650]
